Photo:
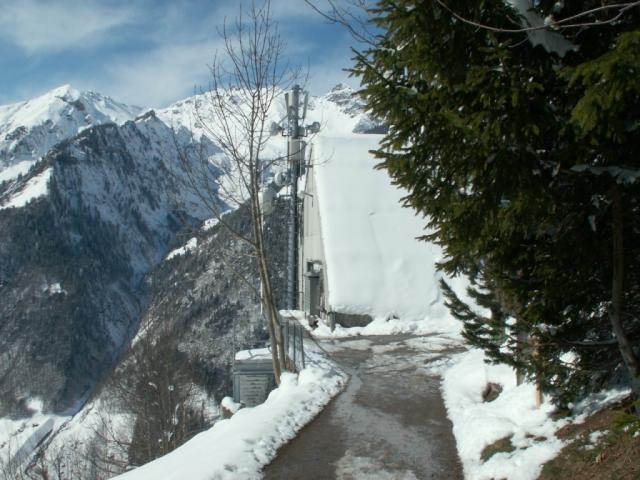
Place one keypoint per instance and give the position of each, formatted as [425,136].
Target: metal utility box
[311,299]
[253,377]
[312,294]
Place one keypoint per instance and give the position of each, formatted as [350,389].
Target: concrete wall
[311,247]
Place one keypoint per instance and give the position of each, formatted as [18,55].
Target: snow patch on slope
[188,247]
[35,187]
[13,171]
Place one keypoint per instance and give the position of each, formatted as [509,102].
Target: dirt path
[389,423]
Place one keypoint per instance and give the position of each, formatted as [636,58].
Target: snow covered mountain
[339,110]
[342,107]
[29,129]
[79,232]
[92,198]
[89,207]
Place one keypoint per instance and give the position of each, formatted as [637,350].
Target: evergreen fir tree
[518,157]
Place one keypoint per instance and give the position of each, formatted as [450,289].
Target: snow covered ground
[528,431]
[18,438]
[238,448]
[512,416]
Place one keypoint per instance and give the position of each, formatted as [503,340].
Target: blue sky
[145,52]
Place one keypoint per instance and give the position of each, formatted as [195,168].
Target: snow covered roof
[374,263]
[254,354]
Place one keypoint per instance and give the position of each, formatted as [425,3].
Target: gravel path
[389,423]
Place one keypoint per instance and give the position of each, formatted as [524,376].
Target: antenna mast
[296,131]
[296,157]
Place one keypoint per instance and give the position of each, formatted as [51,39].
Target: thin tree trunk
[275,336]
[535,347]
[522,346]
[617,291]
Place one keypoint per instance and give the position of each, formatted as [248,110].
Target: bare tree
[10,467]
[247,78]
[155,390]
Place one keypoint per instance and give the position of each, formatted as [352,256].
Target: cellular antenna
[296,131]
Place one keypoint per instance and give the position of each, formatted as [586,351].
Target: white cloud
[171,45]
[178,62]
[160,76]
[328,70]
[281,10]
[38,26]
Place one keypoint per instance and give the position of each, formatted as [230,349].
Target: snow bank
[514,415]
[374,263]
[239,447]
[598,401]
[230,405]
[444,326]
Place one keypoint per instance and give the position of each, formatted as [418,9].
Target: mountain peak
[29,129]
[340,87]
[65,91]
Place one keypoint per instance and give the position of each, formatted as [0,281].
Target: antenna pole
[296,157]
[296,131]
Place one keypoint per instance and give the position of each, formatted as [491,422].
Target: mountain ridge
[28,129]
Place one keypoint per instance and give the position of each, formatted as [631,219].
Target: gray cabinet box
[253,377]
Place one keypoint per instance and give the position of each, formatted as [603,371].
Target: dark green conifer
[521,158]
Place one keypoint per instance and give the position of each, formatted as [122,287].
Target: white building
[359,254]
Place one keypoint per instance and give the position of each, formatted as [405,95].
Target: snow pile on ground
[239,447]
[528,431]
[444,326]
[597,401]
[230,405]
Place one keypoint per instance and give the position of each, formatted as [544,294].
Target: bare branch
[233,114]
[620,8]
[354,18]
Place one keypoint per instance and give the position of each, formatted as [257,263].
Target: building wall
[311,247]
